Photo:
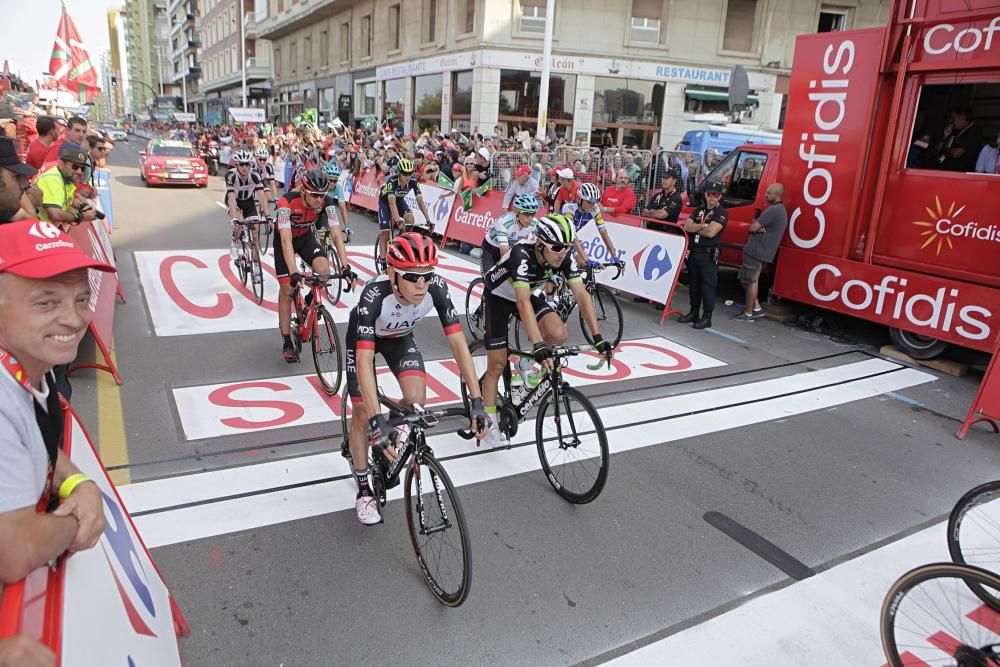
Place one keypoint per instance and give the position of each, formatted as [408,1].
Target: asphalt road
[763,455]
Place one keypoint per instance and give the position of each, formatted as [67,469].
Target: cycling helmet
[525,203]
[242,156]
[590,192]
[314,181]
[405,166]
[332,169]
[260,153]
[410,250]
[554,229]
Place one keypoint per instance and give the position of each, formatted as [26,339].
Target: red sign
[948,310]
[958,42]
[986,405]
[365,189]
[831,109]
[471,226]
[103,288]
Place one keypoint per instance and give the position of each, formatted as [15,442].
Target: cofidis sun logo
[942,226]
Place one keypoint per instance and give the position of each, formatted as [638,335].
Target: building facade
[639,70]
[222,74]
[183,70]
[116,81]
[142,53]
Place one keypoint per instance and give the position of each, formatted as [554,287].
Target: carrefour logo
[441,208]
[347,185]
[652,262]
[944,225]
[131,580]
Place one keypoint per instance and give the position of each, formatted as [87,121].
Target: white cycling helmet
[555,229]
[260,153]
[242,156]
[590,192]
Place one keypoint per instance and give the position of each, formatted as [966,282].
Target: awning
[715,95]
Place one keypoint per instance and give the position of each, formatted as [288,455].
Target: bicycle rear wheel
[572,445]
[380,266]
[256,274]
[242,261]
[974,534]
[609,316]
[438,530]
[475,315]
[326,352]
[930,616]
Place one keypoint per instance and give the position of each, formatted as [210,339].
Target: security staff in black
[666,204]
[704,229]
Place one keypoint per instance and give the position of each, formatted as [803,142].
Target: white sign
[198,291]
[448,63]
[652,259]
[239,407]
[184,117]
[439,202]
[247,114]
[115,608]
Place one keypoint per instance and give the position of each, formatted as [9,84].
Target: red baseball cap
[522,170]
[36,249]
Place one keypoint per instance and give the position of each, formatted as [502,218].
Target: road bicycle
[931,616]
[434,515]
[247,260]
[334,288]
[569,434]
[394,229]
[606,307]
[974,534]
[313,323]
[266,229]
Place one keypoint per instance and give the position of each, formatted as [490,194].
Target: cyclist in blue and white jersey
[581,214]
[329,221]
[509,229]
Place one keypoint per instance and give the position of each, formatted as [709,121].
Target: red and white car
[172,163]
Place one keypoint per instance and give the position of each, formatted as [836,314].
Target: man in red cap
[44,313]
[522,183]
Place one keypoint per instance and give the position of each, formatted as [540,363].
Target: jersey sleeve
[519,265]
[283,214]
[369,306]
[570,271]
[258,182]
[231,181]
[445,308]
[415,187]
[598,218]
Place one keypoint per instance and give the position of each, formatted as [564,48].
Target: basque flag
[70,64]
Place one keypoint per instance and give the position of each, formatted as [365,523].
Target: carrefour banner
[438,201]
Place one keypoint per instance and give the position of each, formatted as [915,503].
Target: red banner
[365,189]
[471,226]
[103,290]
[986,405]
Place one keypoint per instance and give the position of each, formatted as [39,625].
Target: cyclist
[509,229]
[296,215]
[392,207]
[329,218]
[581,214]
[244,197]
[509,290]
[265,170]
[388,310]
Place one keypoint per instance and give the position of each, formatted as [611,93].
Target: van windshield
[740,173]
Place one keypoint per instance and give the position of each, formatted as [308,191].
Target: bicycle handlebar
[426,419]
[605,265]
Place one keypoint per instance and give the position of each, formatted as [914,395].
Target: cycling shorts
[498,311]
[385,215]
[247,207]
[489,258]
[306,246]
[401,355]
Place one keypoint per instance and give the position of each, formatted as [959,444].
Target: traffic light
[114,81]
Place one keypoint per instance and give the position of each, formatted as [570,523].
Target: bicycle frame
[308,323]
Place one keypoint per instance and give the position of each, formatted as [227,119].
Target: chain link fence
[503,165]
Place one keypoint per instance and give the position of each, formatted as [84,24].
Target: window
[345,42]
[427,101]
[234,56]
[366,96]
[519,93]
[394,28]
[703,99]
[277,62]
[366,36]
[646,16]
[740,173]
[832,20]
[466,16]
[293,51]
[533,16]
[969,111]
[394,94]
[739,31]
[632,106]
[428,34]
[324,48]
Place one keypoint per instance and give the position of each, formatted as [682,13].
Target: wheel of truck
[917,346]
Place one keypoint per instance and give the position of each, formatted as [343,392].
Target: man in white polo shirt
[46,506]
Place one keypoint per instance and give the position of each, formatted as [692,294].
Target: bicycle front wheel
[256,274]
[609,316]
[438,531]
[380,266]
[572,445]
[475,315]
[242,260]
[974,534]
[326,352]
[335,286]
[930,616]
[265,237]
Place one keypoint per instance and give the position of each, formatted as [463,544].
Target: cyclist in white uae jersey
[388,310]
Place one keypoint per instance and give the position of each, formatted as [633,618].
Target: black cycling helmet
[315,181]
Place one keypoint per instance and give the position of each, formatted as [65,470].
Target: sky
[26,41]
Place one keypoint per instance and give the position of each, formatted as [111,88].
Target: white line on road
[262,508]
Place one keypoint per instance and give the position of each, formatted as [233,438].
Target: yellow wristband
[71,483]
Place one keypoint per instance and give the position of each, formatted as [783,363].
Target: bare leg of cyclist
[553,330]
[383,242]
[495,362]
[285,313]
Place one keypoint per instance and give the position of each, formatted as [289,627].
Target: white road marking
[239,407]
[313,499]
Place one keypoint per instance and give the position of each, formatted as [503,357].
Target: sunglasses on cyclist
[556,247]
[426,276]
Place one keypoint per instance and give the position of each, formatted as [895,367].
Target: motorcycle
[211,157]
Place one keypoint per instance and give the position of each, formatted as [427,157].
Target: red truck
[879,227]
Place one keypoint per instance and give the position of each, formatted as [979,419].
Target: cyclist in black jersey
[245,198]
[388,310]
[392,207]
[510,289]
[265,170]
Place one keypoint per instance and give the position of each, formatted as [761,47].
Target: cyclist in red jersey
[295,218]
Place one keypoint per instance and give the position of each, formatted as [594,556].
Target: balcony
[258,73]
[192,45]
[250,28]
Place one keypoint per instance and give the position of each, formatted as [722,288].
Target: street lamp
[243,50]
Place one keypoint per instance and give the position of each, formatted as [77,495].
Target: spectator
[618,199]
[989,158]
[552,188]
[762,245]
[631,167]
[76,133]
[430,173]
[30,414]
[521,137]
[482,164]
[567,190]
[469,177]
[14,176]
[58,186]
[522,183]
[551,139]
[48,134]
[961,143]
[666,204]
